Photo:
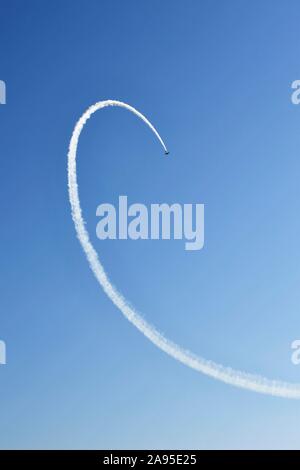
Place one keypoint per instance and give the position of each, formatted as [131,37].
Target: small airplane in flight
[167,152]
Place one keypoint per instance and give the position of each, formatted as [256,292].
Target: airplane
[167,152]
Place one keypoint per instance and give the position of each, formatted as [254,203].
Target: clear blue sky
[214,77]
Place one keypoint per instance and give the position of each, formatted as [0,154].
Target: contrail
[225,374]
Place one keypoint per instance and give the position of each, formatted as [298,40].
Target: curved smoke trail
[225,374]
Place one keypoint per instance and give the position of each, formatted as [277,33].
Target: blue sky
[215,79]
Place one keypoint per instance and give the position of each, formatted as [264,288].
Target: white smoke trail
[225,374]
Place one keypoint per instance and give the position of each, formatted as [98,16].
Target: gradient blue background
[215,79]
